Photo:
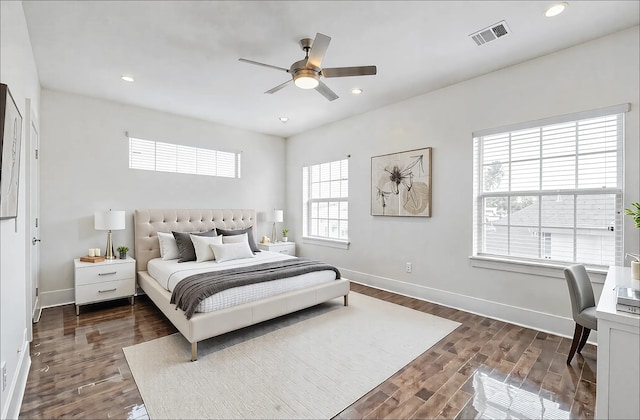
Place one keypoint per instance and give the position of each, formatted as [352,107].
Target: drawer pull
[107,274]
[107,291]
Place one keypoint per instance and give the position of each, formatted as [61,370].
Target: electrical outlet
[408,267]
[4,375]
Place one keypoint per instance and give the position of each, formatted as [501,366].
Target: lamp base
[109,254]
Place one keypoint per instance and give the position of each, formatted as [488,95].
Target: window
[551,190]
[325,192]
[166,157]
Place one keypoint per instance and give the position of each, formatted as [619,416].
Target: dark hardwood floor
[483,369]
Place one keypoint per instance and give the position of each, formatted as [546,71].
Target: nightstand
[288,248]
[107,280]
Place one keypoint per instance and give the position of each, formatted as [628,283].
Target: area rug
[308,365]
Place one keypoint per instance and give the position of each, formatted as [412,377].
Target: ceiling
[184,54]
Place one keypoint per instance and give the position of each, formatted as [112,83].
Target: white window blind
[325,192]
[166,157]
[551,190]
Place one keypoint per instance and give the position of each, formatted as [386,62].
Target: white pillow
[202,248]
[168,246]
[232,251]
[234,239]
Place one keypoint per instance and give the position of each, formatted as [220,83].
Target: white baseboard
[528,318]
[37,311]
[18,384]
[57,298]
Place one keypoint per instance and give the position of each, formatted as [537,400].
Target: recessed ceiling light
[127,78]
[284,119]
[356,91]
[556,9]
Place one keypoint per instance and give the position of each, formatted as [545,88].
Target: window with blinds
[551,190]
[166,157]
[325,192]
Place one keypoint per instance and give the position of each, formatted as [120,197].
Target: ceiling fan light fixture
[306,79]
[306,73]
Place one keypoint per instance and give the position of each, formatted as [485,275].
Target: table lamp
[109,220]
[278,216]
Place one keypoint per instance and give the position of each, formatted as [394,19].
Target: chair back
[580,289]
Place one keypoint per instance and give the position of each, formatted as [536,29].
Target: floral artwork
[401,184]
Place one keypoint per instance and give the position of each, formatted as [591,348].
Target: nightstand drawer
[288,248]
[105,290]
[103,273]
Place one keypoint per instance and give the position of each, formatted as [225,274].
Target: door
[33,230]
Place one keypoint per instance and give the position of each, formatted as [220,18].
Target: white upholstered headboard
[148,222]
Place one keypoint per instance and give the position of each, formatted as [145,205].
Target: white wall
[592,75]
[84,166]
[18,72]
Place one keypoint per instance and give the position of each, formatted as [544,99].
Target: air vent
[491,33]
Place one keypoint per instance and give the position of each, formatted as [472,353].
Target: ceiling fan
[307,72]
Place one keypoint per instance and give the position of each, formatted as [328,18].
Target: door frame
[32,200]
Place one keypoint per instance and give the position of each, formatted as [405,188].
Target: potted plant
[635,264]
[123,252]
[285,232]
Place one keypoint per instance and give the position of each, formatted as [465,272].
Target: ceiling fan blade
[280,86]
[318,49]
[325,91]
[350,71]
[262,64]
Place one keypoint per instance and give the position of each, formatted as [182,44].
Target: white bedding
[169,273]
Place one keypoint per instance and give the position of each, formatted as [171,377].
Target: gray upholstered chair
[583,306]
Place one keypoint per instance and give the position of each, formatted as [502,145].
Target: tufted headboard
[148,222]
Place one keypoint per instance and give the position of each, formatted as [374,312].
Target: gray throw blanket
[192,290]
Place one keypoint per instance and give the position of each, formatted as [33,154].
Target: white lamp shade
[109,220]
[278,216]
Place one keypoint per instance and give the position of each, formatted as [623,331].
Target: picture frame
[10,146]
[401,184]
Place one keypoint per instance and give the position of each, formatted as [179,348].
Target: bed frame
[202,326]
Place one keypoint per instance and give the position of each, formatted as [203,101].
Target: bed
[225,312]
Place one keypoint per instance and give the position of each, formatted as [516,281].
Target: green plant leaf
[634,213]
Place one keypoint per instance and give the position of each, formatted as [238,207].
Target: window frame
[309,200]
[479,216]
[181,159]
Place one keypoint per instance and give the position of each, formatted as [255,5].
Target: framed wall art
[401,184]
[10,144]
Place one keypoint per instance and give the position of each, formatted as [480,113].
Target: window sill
[332,243]
[597,275]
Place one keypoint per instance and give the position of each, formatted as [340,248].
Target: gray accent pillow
[185,245]
[248,231]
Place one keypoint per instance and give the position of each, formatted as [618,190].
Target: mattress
[169,273]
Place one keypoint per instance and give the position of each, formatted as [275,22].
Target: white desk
[618,377]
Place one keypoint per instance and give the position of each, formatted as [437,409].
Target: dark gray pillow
[185,245]
[248,231]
